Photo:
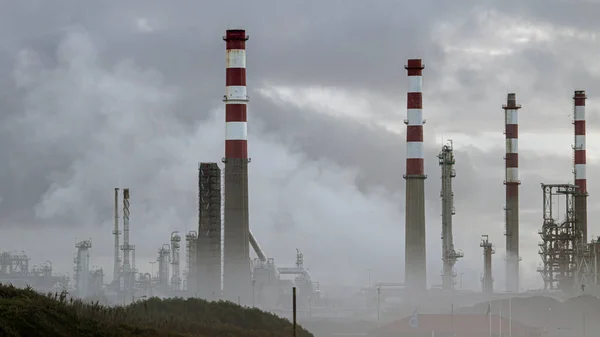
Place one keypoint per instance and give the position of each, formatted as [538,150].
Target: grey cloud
[94,120]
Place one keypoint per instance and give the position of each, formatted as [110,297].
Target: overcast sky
[99,94]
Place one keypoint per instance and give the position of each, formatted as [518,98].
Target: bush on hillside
[24,312]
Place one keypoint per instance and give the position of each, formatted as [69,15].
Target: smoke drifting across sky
[128,94]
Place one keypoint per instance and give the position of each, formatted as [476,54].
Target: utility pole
[253,283]
[378,295]
[294,308]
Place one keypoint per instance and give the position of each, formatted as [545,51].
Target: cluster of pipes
[124,270]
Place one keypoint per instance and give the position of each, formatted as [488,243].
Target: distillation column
[191,243]
[487,281]
[209,231]
[163,267]
[237,269]
[449,254]
[579,162]
[511,117]
[415,272]
[175,258]
[117,262]
[82,268]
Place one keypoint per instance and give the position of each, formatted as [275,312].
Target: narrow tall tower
[579,162]
[511,181]
[449,254]
[117,262]
[487,281]
[237,273]
[415,257]
[126,247]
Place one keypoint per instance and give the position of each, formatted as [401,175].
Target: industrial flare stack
[511,181]
[415,257]
[237,268]
[579,162]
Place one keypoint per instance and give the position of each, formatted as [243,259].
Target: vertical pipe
[511,118]
[294,308]
[415,272]
[579,163]
[510,317]
[237,248]
[117,262]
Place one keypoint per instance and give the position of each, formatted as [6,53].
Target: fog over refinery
[376,162]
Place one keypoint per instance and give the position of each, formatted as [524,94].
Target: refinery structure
[217,264]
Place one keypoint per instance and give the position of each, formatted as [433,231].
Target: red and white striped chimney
[580,161]
[414,122]
[415,272]
[511,209]
[236,97]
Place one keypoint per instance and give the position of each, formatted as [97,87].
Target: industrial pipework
[259,252]
[487,281]
[449,254]
[416,253]
[511,181]
[237,269]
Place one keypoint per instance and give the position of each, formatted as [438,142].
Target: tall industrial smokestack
[415,272]
[511,118]
[237,273]
[117,262]
[579,162]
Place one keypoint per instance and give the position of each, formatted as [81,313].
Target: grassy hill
[24,312]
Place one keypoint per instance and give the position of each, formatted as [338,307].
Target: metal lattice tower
[449,254]
[560,238]
[487,280]
[209,231]
[175,258]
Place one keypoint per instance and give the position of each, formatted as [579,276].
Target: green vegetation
[24,312]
